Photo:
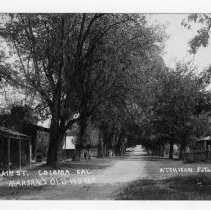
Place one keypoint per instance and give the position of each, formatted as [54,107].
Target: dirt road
[112,179]
[109,181]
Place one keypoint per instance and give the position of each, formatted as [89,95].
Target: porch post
[8,152]
[30,152]
[65,148]
[19,146]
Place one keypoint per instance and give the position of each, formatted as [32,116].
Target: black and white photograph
[105,106]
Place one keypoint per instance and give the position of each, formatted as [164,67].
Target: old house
[200,150]
[23,120]
[15,149]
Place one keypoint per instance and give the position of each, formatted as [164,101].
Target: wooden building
[20,121]
[15,149]
[201,150]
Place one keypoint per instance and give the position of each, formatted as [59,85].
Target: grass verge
[174,188]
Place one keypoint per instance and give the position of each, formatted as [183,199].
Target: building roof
[8,133]
[7,120]
[207,138]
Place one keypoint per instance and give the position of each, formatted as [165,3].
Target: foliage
[78,63]
[177,105]
[203,34]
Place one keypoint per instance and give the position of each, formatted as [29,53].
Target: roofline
[8,133]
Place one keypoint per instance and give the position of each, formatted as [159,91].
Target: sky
[176,47]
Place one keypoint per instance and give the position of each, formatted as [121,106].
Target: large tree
[76,62]
[176,105]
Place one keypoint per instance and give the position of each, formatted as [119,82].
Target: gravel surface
[116,174]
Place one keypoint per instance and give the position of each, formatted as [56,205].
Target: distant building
[69,142]
[69,147]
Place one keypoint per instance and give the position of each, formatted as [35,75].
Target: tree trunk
[101,150]
[118,150]
[89,154]
[160,147]
[113,144]
[171,150]
[106,150]
[113,150]
[162,150]
[52,157]
[182,150]
[57,134]
[54,146]
[77,153]
[117,146]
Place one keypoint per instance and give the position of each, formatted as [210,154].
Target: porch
[15,149]
[202,151]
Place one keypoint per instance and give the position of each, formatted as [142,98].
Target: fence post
[8,153]
[19,147]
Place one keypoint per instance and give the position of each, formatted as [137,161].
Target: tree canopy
[80,63]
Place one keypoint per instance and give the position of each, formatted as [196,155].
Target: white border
[105,205]
[138,6]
